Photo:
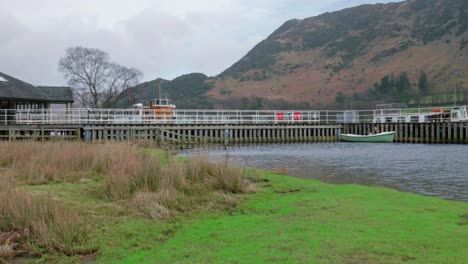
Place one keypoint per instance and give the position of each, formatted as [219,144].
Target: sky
[161,38]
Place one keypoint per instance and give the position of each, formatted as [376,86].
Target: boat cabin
[459,114]
[160,102]
[400,118]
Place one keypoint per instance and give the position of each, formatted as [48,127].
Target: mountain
[340,56]
[186,92]
[414,52]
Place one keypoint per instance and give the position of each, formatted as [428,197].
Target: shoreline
[308,163]
[308,217]
[288,219]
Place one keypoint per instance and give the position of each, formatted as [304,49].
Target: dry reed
[130,176]
[228,179]
[130,172]
[125,168]
[34,225]
[282,169]
[178,187]
[40,163]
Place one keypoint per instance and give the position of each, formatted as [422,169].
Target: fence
[182,116]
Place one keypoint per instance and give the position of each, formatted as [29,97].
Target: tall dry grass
[40,163]
[129,172]
[130,176]
[177,187]
[34,225]
[227,178]
[282,169]
[125,168]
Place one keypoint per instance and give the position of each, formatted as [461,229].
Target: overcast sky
[162,38]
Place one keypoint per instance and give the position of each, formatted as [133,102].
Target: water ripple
[433,170]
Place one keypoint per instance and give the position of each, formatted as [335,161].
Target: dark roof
[58,93]
[14,89]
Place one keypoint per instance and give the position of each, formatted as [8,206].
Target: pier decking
[221,126]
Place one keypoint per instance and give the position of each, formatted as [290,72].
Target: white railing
[185,116]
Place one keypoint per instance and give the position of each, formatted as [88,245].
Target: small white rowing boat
[386,137]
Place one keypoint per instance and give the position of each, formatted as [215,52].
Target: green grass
[290,220]
[321,223]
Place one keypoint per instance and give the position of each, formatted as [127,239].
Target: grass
[286,220]
[43,201]
[32,225]
[305,221]
[36,163]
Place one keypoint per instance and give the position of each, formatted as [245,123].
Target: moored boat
[160,110]
[386,137]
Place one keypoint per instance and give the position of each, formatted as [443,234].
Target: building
[16,94]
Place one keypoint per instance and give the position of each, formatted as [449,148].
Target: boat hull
[386,137]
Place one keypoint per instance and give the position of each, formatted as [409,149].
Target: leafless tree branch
[95,79]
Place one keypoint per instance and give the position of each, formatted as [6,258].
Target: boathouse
[17,94]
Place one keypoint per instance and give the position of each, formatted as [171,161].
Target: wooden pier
[178,134]
[430,133]
[215,134]
[41,133]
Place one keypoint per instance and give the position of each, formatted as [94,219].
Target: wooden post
[466,132]
[425,135]
[461,133]
[405,139]
[449,132]
[433,135]
[416,133]
[77,134]
[400,132]
[455,132]
[444,133]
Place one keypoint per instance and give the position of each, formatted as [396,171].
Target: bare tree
[95,79]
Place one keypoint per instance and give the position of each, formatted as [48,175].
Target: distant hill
[187,91]
[356,57]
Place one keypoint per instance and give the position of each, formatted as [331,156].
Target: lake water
[433,170]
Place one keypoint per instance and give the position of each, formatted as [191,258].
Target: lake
[432,170]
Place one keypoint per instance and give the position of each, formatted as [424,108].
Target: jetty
[184,126]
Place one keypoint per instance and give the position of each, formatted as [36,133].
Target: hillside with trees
[187,91]
[413,52]
[359,57]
